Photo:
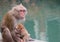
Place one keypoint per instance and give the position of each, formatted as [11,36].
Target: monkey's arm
[15,37]
[6,34]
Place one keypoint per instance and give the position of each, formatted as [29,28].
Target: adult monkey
[9,22]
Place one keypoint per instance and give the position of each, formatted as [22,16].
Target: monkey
[25,36]
[9,22]
[23,31]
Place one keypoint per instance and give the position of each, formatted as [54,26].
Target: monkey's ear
[14,9]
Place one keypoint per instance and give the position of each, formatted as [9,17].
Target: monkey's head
[19,12]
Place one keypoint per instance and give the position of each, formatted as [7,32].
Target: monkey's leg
[7,35]
[15,37]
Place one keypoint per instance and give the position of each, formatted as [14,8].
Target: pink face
[22,14]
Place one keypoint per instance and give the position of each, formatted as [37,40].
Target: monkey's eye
[22,10]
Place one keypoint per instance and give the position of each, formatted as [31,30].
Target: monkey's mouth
[22,16]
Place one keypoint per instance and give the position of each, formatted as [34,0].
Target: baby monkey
[23,33]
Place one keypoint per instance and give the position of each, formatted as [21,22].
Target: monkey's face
[20,12]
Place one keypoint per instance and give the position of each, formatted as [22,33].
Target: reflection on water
[34,30]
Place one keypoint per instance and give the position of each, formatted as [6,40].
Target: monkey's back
[8,21]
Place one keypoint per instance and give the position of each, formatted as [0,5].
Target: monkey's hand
[21,36]
[3,28]
[18,33]
[15,36]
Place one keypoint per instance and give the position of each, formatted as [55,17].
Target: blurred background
[42,20]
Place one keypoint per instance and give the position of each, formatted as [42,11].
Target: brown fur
[8,29]
[8,21]
[23,31]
